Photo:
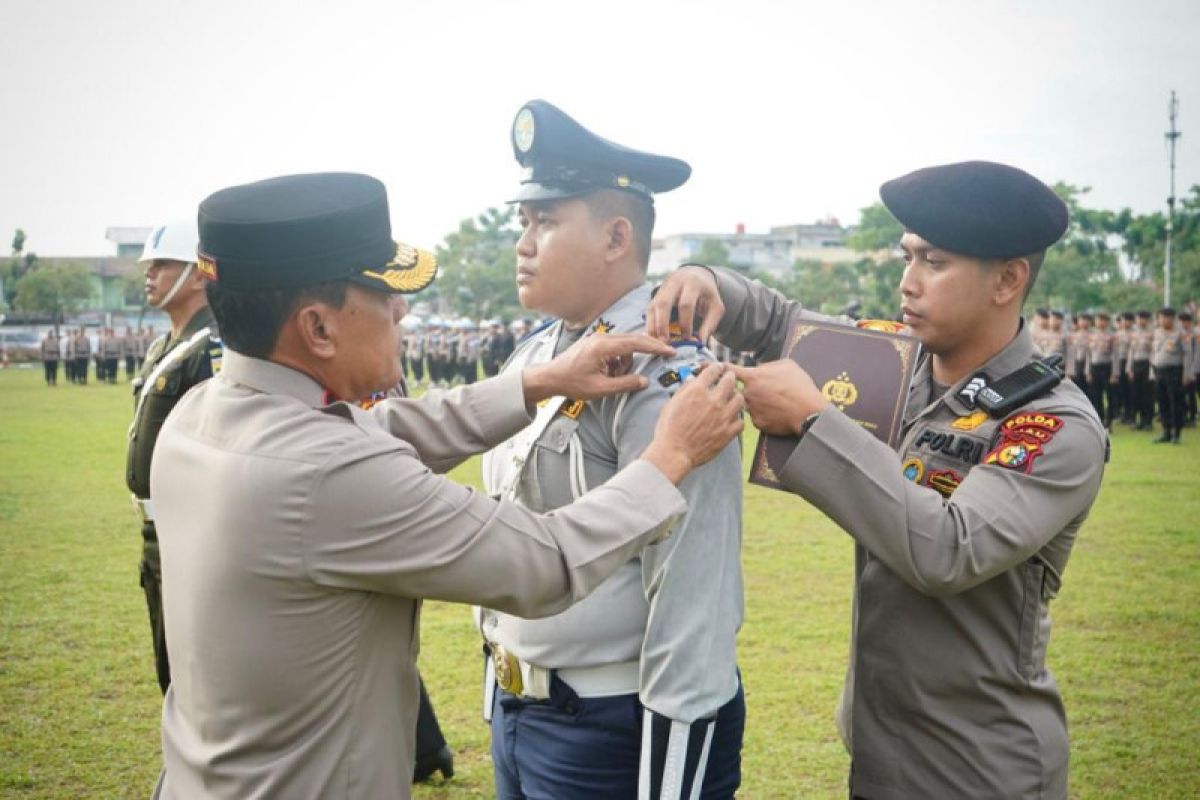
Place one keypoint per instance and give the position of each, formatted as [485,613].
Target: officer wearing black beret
[637,686]
[299,529]
[962,533]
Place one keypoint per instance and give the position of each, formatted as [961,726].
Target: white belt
[143,508]
[606,680]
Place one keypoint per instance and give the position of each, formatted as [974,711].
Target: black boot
[1175,438]
[1165,438]
[442,760]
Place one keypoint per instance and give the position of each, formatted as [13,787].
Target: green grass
[79,707]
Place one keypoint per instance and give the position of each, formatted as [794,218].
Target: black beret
[300,230]
[564,159]
[978,208]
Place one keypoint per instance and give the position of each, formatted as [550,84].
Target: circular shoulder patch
[523,130]
[913,469]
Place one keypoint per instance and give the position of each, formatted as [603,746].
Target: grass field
[79,707]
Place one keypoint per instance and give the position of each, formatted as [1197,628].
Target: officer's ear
[1009,281]
[315,327]
[619,232]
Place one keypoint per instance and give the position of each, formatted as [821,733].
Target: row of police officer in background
[1127,365]
[76,348]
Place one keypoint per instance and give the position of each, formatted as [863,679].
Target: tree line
[1107,259]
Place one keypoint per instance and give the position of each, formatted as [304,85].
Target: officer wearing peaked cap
[634,692]
[298,530]
[958,551]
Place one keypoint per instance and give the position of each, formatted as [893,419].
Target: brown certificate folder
[865,372]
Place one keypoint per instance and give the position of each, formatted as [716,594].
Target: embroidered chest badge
[970,422]
[913,470]
[945,481]
[1023,437]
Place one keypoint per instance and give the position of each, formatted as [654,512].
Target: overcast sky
[130,112]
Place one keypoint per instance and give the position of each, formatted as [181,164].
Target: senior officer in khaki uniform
[298,532]
[962,536]
[185,356]
[634,692]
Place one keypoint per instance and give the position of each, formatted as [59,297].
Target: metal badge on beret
[410,270]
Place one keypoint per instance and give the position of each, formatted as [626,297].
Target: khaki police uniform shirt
[1121,351]
[1052,342]
[961,542]
[1101,346]
[297,540]
[1141,346]
[1077,351]
[49,349]
[1168,348]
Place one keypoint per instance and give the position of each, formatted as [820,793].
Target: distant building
[774,252]
[129,240]
[116,286]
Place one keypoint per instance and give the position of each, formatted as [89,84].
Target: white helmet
[176,241]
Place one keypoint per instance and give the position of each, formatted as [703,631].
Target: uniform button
[572,707]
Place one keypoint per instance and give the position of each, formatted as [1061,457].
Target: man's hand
[692,291]
[696,423]
[780,396]
[595,366]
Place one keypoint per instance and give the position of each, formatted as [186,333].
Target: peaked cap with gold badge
[300,230]
[564,159]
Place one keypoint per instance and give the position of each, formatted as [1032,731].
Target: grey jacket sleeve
[447,427]
[757,318]
[382,522]
[996,518]
[692,580]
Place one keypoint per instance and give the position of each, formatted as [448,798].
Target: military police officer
[177,361]
[957,556]
[634,692]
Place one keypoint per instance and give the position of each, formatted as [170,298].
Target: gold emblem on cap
[623,181]
[410,270]
[523,130]
[206,266]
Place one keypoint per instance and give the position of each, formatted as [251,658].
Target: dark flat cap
[300,230]
[564,159]
[978,208]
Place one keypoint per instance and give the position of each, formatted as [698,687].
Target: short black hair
[609,203]
[1185,316]
[1166,311]
[250,320]
[1035,266]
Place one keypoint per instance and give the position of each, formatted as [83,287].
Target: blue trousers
[589,748]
